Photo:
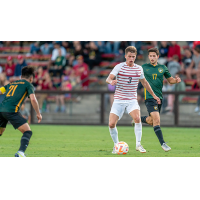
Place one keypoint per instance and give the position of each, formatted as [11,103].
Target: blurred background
[70,79]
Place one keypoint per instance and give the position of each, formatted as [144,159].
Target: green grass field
[95,141]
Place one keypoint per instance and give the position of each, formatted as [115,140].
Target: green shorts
[153,106]
[15,118]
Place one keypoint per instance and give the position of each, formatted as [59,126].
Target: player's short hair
[131,49]
[28,71]
[155,50]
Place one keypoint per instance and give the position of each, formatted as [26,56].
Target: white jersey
[127,81]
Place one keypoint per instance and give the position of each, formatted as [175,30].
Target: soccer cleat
[165,147]
[114,152]
[20,154]
[140,148]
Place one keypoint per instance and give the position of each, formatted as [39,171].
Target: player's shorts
[153,106]
[15,118]
[119,108]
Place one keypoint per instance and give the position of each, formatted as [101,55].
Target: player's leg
[116,113]
[20,123]
[156,126]
[135,114]
[134,111]
[27,133]
[3,123]
[2,130]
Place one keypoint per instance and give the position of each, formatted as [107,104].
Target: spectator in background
[101,46]
[112,47]
[46,48]
[194,68]
[60,63]
[25,113]
[122,46]
[78,50]
[93,56]
[39,76]
[34,48]
[174,49]
[164,48]
[44,84]
[65,86]
[174,66]
[186,61]
[18,68]
[55,52]
[10,69]
[82,71]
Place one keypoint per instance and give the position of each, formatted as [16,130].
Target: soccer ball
[121,148]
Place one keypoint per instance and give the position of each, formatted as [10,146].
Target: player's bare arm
[175,80]
[110,80]
[149,89]
[35,105]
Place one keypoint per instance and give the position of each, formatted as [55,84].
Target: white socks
[138,133]
[114,135]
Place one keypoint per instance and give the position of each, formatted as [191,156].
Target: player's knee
[156,121]
[136,119]
[111,124]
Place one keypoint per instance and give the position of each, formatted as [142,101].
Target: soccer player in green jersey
[16,92]
[154,74]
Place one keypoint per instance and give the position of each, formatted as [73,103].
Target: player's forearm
[172,81]
[35,105]
[108,80]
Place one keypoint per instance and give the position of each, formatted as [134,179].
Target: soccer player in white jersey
[127,74]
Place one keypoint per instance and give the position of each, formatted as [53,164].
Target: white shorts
[119,108]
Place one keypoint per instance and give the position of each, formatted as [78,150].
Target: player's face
[130,58]
[153,57]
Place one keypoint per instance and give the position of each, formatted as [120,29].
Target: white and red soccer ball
[121,148]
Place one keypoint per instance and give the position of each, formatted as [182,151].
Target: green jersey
[155,75]
[16,92]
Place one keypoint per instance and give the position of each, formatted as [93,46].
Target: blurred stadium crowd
[83,65]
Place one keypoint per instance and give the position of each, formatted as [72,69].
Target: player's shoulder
[163,66]
[120,64]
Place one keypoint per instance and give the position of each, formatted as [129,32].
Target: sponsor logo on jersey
[160,70]
[147,69]
[155,107]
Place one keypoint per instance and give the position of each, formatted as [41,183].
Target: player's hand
[113,82]
[178,80]
[39,116]
[157,99]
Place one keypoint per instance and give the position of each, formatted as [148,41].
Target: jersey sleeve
[116,70]
[167,74]
[142,74]
[30,90]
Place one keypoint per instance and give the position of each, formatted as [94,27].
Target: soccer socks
[114,135]
[25,140]
[159,134]
[143,119]
[138,133]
